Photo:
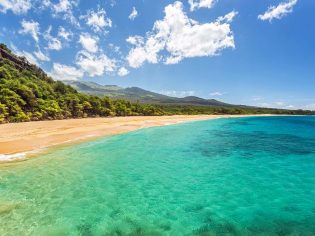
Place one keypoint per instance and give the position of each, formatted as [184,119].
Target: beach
[21,140]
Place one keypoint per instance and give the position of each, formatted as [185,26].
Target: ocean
[230,176]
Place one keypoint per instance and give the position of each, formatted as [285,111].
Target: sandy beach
[20,140]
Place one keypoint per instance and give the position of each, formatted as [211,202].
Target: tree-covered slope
[27,93]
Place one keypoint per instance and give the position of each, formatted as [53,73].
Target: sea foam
[12,157]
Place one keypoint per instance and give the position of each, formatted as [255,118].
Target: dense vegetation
[27,94]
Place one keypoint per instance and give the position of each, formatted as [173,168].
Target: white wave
[18,156]
[12,157]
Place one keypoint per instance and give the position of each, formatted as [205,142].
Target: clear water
[245,176]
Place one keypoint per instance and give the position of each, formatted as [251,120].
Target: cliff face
[19,62]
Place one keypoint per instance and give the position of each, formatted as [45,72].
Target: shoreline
[19,141]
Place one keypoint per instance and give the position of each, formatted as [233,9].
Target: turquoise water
[244,176]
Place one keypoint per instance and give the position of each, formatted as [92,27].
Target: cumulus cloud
[41,56]
[89,42]
[137,56]
[29,56]
[16,6]
[228,18]
[97,20]
[195,4]
[279,104]
[180,37]
[63,33]
[175,93]
[257,98]
[95,65]
[133,14]
[30,27]
[135,40]
[310,107]
[64,72]
[290,107]
[274,104]
[277,12]
[215,94]
[114,48]
[64,8]
[123,72]
[53,42]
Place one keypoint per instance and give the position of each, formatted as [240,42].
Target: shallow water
[243,176]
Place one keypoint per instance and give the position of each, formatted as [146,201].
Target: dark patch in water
[216,229]
[225,142]
[195,208]
[291,209]
[166,227]
[114,213]
[85,229]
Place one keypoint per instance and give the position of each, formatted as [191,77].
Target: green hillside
[137,94]
[27,93]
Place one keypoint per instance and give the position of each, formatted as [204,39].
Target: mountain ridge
[136,94]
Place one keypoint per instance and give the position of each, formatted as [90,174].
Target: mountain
[138,94]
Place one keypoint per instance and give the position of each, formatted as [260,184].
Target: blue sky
[243,51]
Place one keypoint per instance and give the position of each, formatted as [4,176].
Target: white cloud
[98,20]
[280,104]
[88,42]
[45,3]
[277,12]
[53,43]
[228,17]
[137,56]
[41,56]
[115,48]
[133,14]
[173,60]
[29,56]
[310,107]
[64,72]
[195,4]
[265,104]
[62,33]
[64,8]
[30,27]
[257,98]
[113,3]
[174,93]
[135,40]
[177,37]
[95,65]
[214,94]
[123,71]
[16,6]
[290,107]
